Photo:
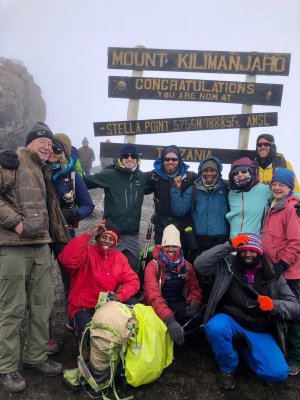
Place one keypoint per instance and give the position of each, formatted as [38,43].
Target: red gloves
[238,240]
[265,303]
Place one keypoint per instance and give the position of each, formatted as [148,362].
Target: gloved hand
[71,216]
[297,206]
[265,303]
[191,308]
[9,159]
[239,240]
[280,267]
[175,330]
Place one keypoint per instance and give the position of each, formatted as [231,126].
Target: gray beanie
[39,130]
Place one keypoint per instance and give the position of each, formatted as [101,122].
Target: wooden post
[133,107]
[246,108]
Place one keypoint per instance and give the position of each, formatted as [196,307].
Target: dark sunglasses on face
[243,171]
[133,157]
[56,150]
[171,159]
[263,145]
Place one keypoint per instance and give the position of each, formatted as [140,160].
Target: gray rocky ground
[191,376]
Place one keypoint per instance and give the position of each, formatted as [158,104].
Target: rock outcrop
[21,103]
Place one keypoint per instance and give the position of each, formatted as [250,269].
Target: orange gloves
[238,240]
[265,303]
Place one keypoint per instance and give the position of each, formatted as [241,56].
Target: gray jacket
[216,263]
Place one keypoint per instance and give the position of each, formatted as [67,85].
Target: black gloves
[71,216]
[9,159]
[280,267]
[297,206]
[175,330]
[191,309]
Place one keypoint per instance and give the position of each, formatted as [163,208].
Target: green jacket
[124,195]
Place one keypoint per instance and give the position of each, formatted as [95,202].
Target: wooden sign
[199,61]
[188,154]
[194,90]
[149,126]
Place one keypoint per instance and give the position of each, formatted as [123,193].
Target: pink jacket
[281,237]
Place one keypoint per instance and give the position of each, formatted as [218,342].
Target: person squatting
[226,255]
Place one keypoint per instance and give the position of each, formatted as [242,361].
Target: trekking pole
[147,243]
[192,319]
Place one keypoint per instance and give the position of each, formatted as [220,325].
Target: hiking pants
[265,357]
[293,333]
[25,285]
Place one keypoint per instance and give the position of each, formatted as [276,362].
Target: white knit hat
[171,236]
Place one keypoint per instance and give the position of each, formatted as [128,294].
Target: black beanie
[110,226]
[129,148]
[267,136]
[39,130]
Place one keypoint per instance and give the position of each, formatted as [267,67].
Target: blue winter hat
[130,148]
[285,176]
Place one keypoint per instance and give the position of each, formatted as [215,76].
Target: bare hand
[177,182]
[19,228]
[96,230]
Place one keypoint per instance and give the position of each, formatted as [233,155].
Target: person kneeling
[171,286]
[96,268]
[245,310]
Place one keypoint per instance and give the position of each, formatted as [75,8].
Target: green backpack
[110,329]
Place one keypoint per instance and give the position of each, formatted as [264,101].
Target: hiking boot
[226,380]
[53,347]
[294,369]
[48,367]
[13,381]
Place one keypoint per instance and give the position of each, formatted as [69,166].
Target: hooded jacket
[93,270]
[208,208]
[159,183]
[216,264]
[124,195]
[154,279]
[247,207]
[281,236]
[62,182]
[27,195]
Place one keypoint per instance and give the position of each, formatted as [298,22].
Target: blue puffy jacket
[208,208]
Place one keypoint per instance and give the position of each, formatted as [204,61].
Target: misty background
[63,44]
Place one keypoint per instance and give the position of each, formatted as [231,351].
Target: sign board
[149,126]
[188,154]
[199,61]
[194,90]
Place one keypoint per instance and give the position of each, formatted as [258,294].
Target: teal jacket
[248,209]
[124,195]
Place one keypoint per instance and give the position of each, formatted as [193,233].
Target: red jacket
[152,286]
[93,270]
[281,237]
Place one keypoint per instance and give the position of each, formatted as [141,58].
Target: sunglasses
[243,171]
[263,145]
[171,159]
[133,156]
[56,150]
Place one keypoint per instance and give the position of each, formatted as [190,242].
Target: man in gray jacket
[245,310]
[30,218]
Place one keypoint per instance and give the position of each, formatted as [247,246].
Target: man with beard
[267,159]
[244,313]
[160,181]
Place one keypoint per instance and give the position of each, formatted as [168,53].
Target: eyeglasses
[243,171]
[126,156]
[56,150]
[263,145]
[171,159]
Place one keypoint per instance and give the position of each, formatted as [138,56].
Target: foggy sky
[63,44]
